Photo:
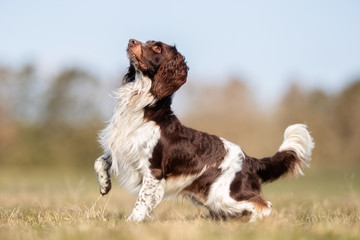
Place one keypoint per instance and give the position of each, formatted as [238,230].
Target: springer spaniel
[154,155]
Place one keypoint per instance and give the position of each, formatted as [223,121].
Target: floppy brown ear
[170,77]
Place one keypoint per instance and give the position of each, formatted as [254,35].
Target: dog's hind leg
[102,166]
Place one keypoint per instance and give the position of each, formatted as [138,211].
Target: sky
[268,44]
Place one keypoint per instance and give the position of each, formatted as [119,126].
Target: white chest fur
[128,137]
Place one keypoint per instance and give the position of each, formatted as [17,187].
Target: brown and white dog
[154,155]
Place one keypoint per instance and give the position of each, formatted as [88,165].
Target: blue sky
[268,43]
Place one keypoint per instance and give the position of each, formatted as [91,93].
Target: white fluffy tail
[298,139]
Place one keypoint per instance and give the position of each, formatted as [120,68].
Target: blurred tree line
[49,122]
[54,121]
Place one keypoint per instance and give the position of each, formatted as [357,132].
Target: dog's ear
[170,77]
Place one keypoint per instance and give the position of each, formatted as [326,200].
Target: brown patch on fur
[246,183]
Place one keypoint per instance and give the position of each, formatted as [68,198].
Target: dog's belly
[175,185]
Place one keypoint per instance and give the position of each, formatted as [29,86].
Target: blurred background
[255,68]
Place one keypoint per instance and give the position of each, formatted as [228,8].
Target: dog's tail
[294,153]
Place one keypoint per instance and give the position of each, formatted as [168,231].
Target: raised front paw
[104,185]
[103,176]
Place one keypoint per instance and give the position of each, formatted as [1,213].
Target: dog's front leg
[102,166]
[150,195]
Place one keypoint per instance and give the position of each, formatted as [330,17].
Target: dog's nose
[133,42]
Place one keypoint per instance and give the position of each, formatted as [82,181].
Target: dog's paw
[103,176]
[105,186]
[136,217]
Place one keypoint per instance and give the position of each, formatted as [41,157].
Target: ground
[64,204]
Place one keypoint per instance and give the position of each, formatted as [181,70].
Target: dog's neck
[160,111]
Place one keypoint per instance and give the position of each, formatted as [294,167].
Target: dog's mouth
[134,54]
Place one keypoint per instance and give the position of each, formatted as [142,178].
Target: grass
[64,205]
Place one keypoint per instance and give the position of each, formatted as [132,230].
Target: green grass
[64,205]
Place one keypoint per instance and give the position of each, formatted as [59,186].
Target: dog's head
[162,63]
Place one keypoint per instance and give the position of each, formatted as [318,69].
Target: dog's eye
[156,49]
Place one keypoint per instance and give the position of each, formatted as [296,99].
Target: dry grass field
[60,204]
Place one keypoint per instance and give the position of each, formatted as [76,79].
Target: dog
[154,155]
